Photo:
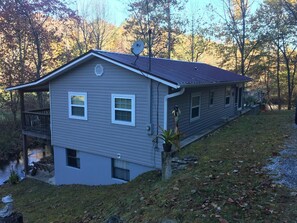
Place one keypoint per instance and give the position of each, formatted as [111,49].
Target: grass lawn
[227,183]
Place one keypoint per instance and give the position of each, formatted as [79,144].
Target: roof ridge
[154,58]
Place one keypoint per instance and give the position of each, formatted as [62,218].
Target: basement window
[73,159]
[119,170]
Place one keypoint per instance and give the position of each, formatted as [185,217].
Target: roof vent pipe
[166,97]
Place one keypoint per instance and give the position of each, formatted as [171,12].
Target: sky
[118,8]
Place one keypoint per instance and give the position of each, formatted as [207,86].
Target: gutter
[213,84]
[166,97]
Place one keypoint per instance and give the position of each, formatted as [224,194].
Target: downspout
[166,97]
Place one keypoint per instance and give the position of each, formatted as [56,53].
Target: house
[106,109]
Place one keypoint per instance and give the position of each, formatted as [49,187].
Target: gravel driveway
[283,168]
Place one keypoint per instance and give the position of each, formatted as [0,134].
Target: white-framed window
[120,170]
[227,96]
[123,109]
[78,106]
[195,106]
[211,98]
[72,158]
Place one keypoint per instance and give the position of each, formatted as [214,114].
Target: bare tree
[278,29]
[101,30]
[238,22]
[148,15]
[199,33]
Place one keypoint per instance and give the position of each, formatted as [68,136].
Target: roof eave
[85,57]
[52,74]
[212,84]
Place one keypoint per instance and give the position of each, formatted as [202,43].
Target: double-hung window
[120,170]
[227,96]
[73,159]
[195,106]
[123,109]
[77,103]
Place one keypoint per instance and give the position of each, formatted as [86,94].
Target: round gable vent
[99,70]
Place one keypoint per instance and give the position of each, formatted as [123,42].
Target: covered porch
[35,118]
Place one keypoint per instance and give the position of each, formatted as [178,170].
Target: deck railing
[37,121]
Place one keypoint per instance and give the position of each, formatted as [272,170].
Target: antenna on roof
[137,48]
[149,37]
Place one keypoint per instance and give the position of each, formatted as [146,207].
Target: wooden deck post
[25,154]
[25,149]
[22,105]
[296,113]
[166,165]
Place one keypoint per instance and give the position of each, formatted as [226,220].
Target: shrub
[14,178]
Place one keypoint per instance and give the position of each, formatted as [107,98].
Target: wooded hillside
[259,42]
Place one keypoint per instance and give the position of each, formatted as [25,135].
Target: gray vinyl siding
[209,115]
[97,134]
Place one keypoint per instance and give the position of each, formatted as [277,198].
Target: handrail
[40,110]
[36,113]
[37,121]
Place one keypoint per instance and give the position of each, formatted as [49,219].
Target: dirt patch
[283,168]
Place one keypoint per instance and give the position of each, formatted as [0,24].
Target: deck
[37,123]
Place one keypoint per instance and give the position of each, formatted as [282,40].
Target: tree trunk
[13,108]
[169,29]
[288,82]
[192,39]
[242,49]
[278,79]
[296,113]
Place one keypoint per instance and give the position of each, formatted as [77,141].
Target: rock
[214,205]
[6,211]
[190,158]
[141,199]
[182,167]
[293,194]
[193,191]
[235,171]
[230,200]
[182,162]
[175,188]
[174,159]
